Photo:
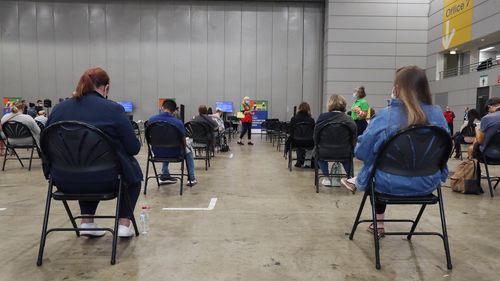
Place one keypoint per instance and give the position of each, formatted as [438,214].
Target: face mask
[393,93]
[354,95]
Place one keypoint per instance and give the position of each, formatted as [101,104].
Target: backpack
[467,178]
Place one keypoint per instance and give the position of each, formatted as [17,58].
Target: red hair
[90,80]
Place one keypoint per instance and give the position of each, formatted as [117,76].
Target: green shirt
[361,103]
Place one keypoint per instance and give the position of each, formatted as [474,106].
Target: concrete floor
[268,224]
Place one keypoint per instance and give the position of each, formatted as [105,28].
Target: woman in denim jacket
[411,104]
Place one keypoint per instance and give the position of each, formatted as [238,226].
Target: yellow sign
[457,22]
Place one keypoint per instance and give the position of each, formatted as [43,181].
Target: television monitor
[127,105]
[226,106]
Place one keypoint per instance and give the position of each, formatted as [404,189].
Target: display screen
[225,106]
[127,105]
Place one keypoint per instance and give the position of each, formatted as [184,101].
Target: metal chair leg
[5,157]
[17,156]
[488,178]
[147,177]
[358,216]
[45,225]
[375,231]
[156,174]
[71,217]
[316,179]
[290,158]
[132,218]
[445,230]
[31,158]
[414,225]
[182,176]
[117,219]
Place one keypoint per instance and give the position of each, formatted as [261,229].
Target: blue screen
[226,106]
[127,105]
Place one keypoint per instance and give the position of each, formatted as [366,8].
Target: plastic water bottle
[144,219]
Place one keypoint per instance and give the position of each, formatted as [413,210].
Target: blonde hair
[413,89]
[17,106]
[336,102]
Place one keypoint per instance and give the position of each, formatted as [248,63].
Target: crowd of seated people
[17,114]
[488,127]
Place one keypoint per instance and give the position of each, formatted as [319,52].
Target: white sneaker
[326,182]
[91,233]
[125,231]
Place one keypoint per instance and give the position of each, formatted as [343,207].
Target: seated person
[488,128]
[217,117]
[32,110]
[303,116]
[16,114]
[204,118]
[336,114]
[467,132]
[90,105]
[42,117]
[411,104]
[169,106]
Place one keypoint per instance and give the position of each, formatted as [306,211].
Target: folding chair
[491,157]
[282,135]
[301,136]
[14,132]
[202,140]
[334,142]
[73,153]
[137,130]
[40,125]
[415,151]
[163,135]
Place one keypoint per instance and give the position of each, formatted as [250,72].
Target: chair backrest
[415,152]
[334,141]
[78,153]
[135,126]
[161,134]
[284,126]
[40,125]
[302,131]
[492,150]
[198,131]
[16,130]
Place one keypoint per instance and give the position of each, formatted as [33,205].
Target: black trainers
[250,143]
[192,182]
[167,180]
[240,143]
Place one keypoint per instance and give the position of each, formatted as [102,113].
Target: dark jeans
[379,208]
[246,127]
[450,126]
[90,207]
[361,124]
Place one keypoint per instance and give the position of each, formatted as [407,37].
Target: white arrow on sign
[211,206]
[448,36]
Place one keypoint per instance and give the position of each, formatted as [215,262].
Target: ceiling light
[487,49]
[453,52]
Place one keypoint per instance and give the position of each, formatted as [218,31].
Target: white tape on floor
[211,206]
[3,209]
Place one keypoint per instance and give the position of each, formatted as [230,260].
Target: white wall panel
[198,52]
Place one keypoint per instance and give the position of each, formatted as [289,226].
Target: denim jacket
[387,123]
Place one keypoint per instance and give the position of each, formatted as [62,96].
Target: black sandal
[380,230]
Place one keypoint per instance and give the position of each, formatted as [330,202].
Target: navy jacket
[109,117]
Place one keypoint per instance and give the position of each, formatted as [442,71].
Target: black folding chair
[40,125]
[282,135]
[229,130]
[15,131]
[415,151]
[301,136]
[163,135]
[333,142]
[137,130]
[491,157]
[73,153]
[202,140]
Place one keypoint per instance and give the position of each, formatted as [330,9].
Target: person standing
[359,110]
[449,116]
[466,114]
[246,121]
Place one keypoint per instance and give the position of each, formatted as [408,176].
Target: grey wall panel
[199,33]
[198,52]
[363,9]
[65,80]
[46,53]
[279,68]
[353,35]
[312,68]
[216,50]
[377,75]
[264,50]
[375,49]
[11,67]
[367,22]
[28,50]
[373,62]
[418,23]
[412,10]
[232,59]
[249,50]
[418,61]
[412,36]
[411,49]
[147,100]
[294,91]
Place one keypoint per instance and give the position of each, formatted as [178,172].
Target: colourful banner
[260,108]
[7,102]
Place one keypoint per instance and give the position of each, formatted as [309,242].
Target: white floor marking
[211,206]
[3,209]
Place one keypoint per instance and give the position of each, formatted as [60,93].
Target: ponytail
[90,80]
